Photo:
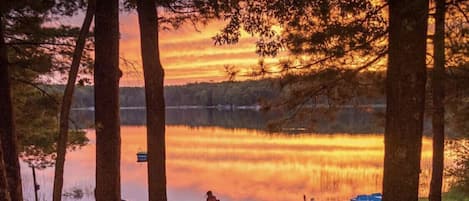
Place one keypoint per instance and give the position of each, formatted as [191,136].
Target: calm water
[239,164]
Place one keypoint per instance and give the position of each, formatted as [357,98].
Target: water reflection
[348,120]
[241,164]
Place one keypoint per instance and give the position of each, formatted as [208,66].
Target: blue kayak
[372,197]
[142,157]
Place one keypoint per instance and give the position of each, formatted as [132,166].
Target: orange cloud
[187,55]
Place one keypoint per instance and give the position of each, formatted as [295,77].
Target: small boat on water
[372,197]
[142,156]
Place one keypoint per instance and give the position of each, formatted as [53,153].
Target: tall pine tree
[106,83]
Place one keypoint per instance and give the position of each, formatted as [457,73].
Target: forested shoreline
[256,92]
[197,94]
[223,94]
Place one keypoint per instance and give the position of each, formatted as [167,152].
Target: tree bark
[8,136]
[4,190]
[405,91]
[438,95]
[106,83]
[154,96]
[67,102]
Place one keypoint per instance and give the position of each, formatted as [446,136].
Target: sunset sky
[187,55]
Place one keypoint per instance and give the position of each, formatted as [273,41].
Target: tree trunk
[106,83]
[154,96]
[438,95]
[7,125]
[4,191]
[67,102]
[405,91]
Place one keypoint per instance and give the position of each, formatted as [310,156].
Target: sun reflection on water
[240,164]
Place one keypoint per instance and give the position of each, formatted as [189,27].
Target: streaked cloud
[187,55]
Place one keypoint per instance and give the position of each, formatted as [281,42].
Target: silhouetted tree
[5,110]
[67,102]
[438,95]
[154,98]
[405,98]
[7,124]
[106,82]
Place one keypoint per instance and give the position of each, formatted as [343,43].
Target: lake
[238,163]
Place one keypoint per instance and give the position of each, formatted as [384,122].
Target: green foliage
[37,126]
[453,194]
[39,53]
[456,194]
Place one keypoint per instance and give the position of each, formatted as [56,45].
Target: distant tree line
[200,94]
[238,93]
